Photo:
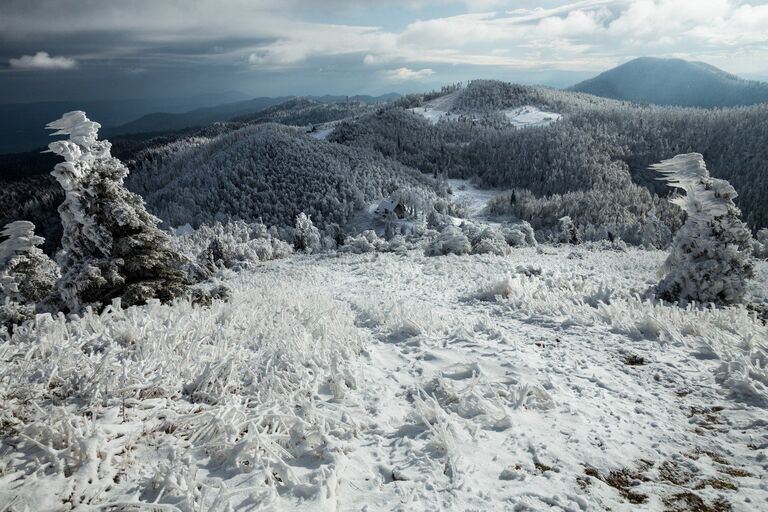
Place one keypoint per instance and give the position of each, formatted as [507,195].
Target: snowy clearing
[441,109]
[529,116]
[322,133]
[434,115]
[473,199]
[536,381]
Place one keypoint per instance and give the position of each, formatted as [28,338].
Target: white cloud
[278,34]
[42,60]
[406,74]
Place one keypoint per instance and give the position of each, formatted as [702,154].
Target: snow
[322,133]
[529,116]
[473,199]
[434,115]
[378,381]
[521,117]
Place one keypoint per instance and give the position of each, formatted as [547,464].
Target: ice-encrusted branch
[81,130]
[19,238]
[705,197]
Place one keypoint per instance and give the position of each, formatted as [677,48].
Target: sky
[106,49]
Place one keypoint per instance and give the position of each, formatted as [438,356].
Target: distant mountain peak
[674,82]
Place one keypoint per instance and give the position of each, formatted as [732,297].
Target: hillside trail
[465,407]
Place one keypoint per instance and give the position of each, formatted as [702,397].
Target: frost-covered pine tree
[760,244]
[566,231]
[27,274]
[711,255]
[111,246]
[307,237]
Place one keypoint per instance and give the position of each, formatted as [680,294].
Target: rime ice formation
[307,236]
[111,246]
[19,238]
[27,275]
[710,258]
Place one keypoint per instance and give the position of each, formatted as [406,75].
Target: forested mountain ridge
[589,164]
[271,173]
[674,82]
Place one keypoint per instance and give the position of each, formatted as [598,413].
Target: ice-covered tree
[27,274]
[307,237]
[111,246]
[566,231]
[760,244]
[711,255]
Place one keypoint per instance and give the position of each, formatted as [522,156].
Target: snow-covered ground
[323,132]
[434,115]
[538,381]
[529,116]
[473,199]
[442,109]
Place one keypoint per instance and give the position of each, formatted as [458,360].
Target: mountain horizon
[665,81]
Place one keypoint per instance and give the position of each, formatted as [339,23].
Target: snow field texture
[532,381]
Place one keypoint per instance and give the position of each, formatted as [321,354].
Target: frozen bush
[111,246]
[307,237]
[450,241]
[497,246]
[233,245]
[760,244]
[519,235]
[367,241]
[397,244]
[27,275]
[566,231]
[484,239]
[710,259]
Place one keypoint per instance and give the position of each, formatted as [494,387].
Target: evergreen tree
[710,259]
[566,231]
[111,246]
[27,274]
[307,238]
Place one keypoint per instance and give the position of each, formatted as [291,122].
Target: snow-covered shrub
[397,244]
[760,244]
[566,231]
[710,258]
[111,246]
[367,241]
[450,241]
[307,237]
[519,235]
[491,245]
[233,384]
[234,245]
[27,275]
[484,239]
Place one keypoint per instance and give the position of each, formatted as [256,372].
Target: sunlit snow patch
[530,116]
[434,115]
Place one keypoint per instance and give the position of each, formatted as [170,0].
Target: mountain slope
[240,111]
[674,82]
[268,172]
[587,165]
